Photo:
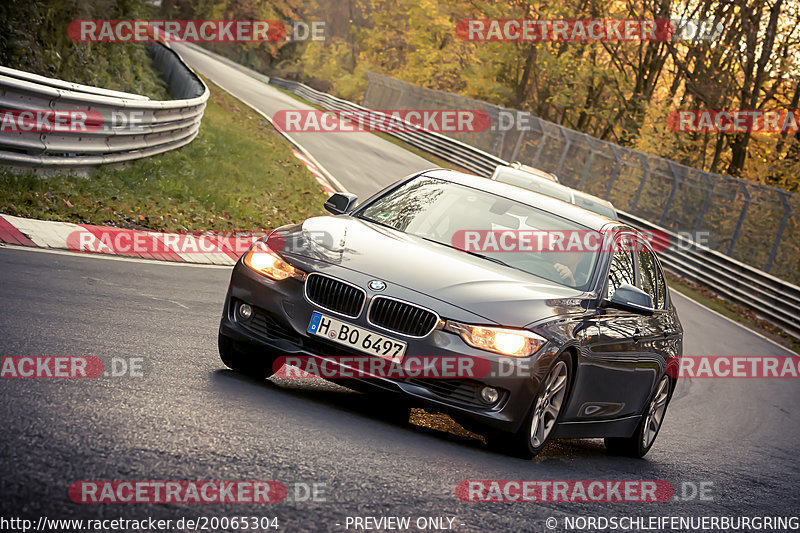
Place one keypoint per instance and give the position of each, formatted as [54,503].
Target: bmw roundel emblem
[376,285]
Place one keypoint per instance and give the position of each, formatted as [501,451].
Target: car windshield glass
[533,183]
[497,228]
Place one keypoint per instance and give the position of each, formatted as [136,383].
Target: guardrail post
[642,182]
[614,173]
[517,145]
[586,167]
[563,153]
[787,212]
[706,202]
[676,181]
[386,96]
[542,142]
[742,214]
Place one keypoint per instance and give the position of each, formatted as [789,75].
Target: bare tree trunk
[792,107]
[750,95]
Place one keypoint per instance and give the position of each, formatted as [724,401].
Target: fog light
[245,312]
[489,394]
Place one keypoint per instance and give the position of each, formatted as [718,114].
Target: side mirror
[630,298]
[341,203]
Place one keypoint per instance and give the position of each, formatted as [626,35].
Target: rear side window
[621,270]
[648,279]
[662,286]
[651,277]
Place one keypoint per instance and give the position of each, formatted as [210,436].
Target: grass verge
[238,174]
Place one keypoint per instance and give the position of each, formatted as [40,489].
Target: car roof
[518,177]
[534,199]
[594,200]
[516,165]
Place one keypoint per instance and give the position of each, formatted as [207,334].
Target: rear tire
[650,424]
[542,419]
[244,359]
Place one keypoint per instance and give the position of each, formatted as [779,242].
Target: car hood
[497,293]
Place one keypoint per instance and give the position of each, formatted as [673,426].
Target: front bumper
[278,328]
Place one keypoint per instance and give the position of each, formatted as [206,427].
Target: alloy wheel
[655,413]
[548,405]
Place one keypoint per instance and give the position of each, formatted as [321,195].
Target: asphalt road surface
[188,418]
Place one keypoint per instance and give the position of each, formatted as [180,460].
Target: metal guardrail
[150,127]
[774,300]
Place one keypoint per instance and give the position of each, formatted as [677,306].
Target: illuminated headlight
[512,342]
[266,262]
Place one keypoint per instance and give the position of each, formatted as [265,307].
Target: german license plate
[356,337]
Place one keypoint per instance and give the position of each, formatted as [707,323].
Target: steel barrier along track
[772,299]
[133,126]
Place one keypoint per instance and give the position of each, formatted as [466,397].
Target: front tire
[244,359]
[543,417]
[646,432]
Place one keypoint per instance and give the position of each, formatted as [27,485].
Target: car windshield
[532,183]
[496,228]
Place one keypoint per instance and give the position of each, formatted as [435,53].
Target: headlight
[264,261]
[512,342]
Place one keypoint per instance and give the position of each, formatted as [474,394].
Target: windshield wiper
[490,258]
